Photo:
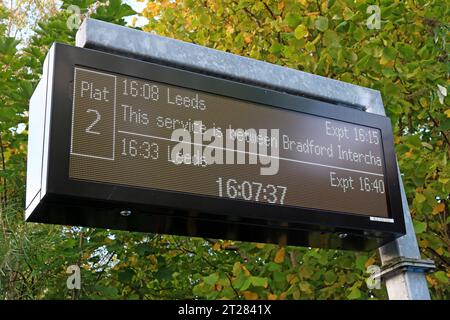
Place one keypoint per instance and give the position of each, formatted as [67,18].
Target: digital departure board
[127,144]
[122,133]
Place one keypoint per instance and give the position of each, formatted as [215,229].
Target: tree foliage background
[406,59]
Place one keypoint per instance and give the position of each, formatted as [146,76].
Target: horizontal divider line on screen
[246,152]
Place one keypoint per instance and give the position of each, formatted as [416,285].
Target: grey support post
[403,269]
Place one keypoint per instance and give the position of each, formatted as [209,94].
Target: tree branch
[435,254]
[270,10]
[249,13]
[253,16]
[231,285]
[416,94]
[5,194]
[318,7]
[273,17]
[437,125]
[105,265]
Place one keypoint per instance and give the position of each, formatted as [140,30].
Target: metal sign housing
[54,196]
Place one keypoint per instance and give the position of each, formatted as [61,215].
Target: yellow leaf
[292,278]
[246,272]
[248,39]
[227,244]
[386,62]
[305,287]
[272,296]
[153,259]
[423,102]
[447,112]
[250,295]
[440,207]
[283,296]
[260,245]
[423,243]
[369,262]
[440,251]
[324,6]
[281,5]
[216,246]
[286,29]
[236,268]
[432,281]
[229,29]
[305,272]
[279,257]
[153,9]
[408,154]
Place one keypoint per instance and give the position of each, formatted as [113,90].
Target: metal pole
[403,269]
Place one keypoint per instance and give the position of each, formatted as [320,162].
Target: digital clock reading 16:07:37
[251,191]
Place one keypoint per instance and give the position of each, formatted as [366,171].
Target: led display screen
[146,134]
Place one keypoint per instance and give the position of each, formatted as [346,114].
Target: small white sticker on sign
[379,219]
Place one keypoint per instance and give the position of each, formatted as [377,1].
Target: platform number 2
[97,119]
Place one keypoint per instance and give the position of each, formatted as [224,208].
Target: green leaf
[272,266]
[292,19]
[341,26]
[445,124]
[407,51]
[126,276]
[388,55]
[330,277]
[310,47]
[246,284]
[275,48]
[8,45]
[361,262]
[420,197]
[240,280]
[143,249]
[205,19]
[442,277]
[354,294]
[239,40]
[211,279]
[279,278]
[419,227]
[301,31]
[331,39]
[107,291]
[348,14]
[164,273]
[427,145]
[258,281]
[321,23]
